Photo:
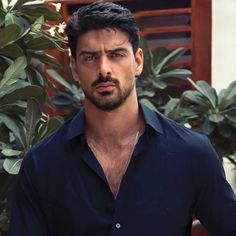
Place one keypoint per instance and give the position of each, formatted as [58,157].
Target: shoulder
[57,146]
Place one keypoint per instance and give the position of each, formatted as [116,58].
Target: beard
[108,100]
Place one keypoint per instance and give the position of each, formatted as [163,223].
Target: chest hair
[114,162]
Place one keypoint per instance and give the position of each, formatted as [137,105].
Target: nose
[104,67]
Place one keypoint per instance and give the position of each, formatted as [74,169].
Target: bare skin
[111,131]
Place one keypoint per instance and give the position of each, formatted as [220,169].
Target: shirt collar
[77,125]
[151,118]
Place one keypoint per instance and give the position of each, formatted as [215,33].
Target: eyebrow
[95,53]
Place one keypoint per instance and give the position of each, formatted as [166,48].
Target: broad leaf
[216,118]
[12,51]
[206,127]
[195,97]
[13,72]
[208,92]
[25,93]
[224,129]
[158,55]
[9,34]
[48,127]
[20,84]
[42,11]
[32,116]
[13,125]
[12,166]
[38,24]
[170,58]
[46,59]
[10,152]
[171,105]
[159,84]
[57,77]
[40,44]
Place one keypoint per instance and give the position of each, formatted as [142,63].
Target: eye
[89,57]
[116,54]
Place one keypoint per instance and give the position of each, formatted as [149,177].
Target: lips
[105,86]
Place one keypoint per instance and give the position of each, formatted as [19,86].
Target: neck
[113,125]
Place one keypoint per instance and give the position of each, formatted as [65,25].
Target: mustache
[104,79]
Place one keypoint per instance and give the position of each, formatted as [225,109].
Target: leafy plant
[69,96]
[159,76]
[26,35]
[209,113]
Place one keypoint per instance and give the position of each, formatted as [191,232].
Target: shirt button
[118,225]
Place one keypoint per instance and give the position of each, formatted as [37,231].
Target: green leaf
[38,24]
[46,59]
[13,72]
[32,117]
[2,13]
[9,35]
[13,125]
[12,166]
[158,55]
[10,152]
[227,96]
[196,97]
[25,93]
[57,77]
[206,127]
[42,11]
[12,51]
[208,92]
[224,130]
[171,105]
[170,58]
[40,44]
[159,84]
[48,127]
[216,118]
[148,62]
[21,2]
[175,73]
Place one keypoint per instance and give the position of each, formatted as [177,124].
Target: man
[118,168]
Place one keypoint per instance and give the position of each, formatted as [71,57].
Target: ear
[74,69]
[139,62]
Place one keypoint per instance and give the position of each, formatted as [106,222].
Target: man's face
[106,67]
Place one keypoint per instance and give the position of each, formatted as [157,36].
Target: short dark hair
[101,15]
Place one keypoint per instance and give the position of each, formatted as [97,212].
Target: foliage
[159,76]
[209,113]
[69,96]
[26,34]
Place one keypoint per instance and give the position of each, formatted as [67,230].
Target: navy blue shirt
[174,174]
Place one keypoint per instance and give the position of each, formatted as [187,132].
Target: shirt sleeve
[216,202]
[27,217]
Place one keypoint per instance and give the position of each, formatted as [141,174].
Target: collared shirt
[174,173]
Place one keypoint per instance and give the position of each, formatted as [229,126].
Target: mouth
[105,86]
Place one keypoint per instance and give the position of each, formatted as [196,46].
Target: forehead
[106,39]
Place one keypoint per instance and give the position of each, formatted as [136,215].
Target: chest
[114,162]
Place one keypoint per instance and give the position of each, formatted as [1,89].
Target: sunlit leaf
[12,166]
[216,118]
[13,72]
